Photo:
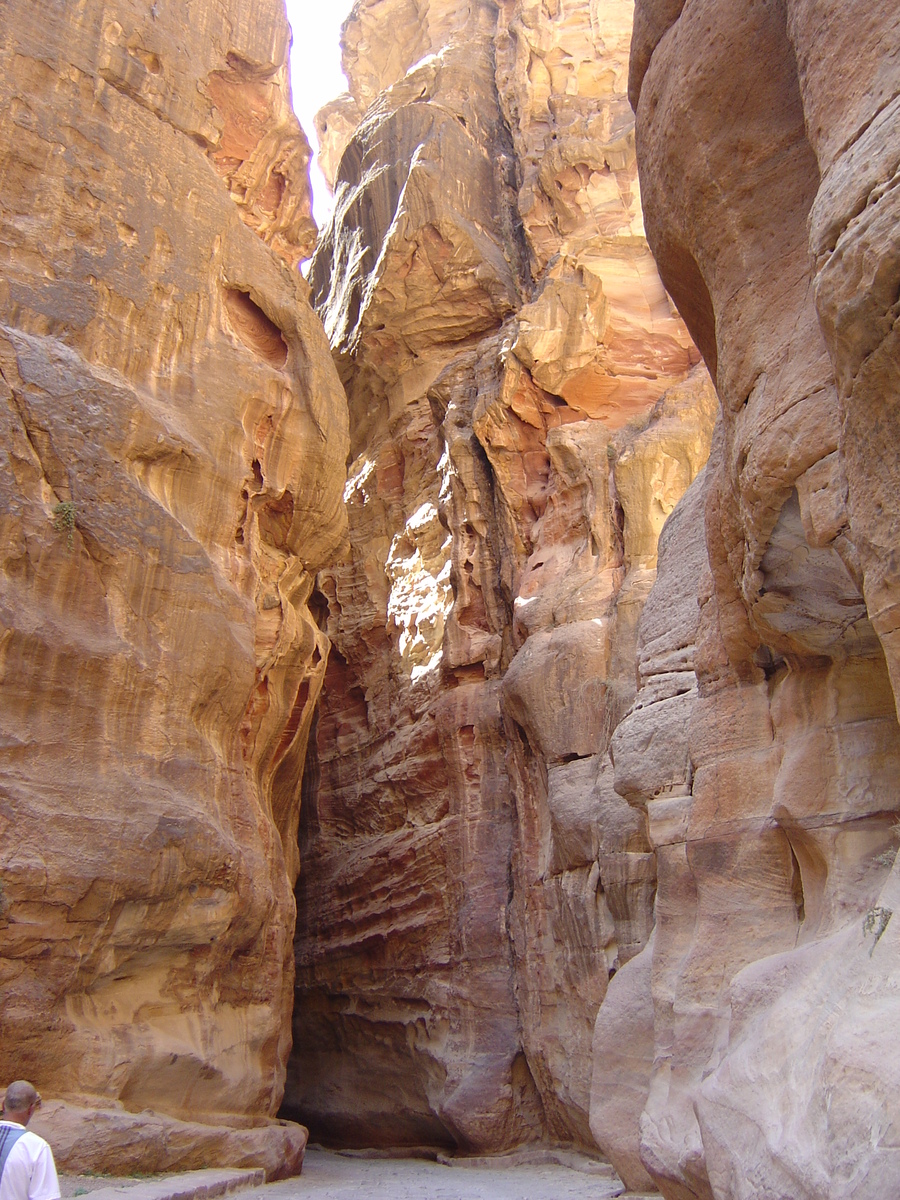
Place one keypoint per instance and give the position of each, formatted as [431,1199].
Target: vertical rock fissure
[526,410]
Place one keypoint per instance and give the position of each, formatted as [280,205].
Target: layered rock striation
[526,410]
[599,820]
[175,437]
[767,999]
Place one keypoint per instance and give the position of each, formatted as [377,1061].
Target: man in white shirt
[27,1169]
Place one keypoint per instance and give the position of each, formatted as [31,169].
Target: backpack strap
[9,1135]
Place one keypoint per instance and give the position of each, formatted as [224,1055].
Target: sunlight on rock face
[418,566]
[358,479]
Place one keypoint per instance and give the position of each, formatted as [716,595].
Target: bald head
[20,1101]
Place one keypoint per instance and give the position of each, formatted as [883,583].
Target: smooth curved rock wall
[771,206]
[175,437]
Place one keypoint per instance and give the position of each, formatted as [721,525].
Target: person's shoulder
[18,1129]
[33,1141]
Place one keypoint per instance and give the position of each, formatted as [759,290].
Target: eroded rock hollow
[175,438]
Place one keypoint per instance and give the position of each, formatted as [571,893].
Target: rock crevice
[526,410]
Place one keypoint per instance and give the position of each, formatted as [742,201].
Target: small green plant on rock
[64,521]
[876,921]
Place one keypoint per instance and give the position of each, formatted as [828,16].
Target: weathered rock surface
[764,743]
[94,1140]
[526,410]
[175,438]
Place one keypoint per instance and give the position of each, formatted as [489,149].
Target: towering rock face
[771,203]
[175,438]
[526,410]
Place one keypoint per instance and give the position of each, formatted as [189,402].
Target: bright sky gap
[316,75]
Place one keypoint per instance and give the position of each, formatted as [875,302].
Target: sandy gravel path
[532,1174]
[330,1176]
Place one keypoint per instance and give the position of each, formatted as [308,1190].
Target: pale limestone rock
[176,437]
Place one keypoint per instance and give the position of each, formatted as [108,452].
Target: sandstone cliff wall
[768,144]
[525,760]
[175,439]
[526,410]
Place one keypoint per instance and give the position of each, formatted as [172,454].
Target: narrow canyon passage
[526,409]
[448,693]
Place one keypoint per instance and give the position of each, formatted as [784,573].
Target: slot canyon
[449,692]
